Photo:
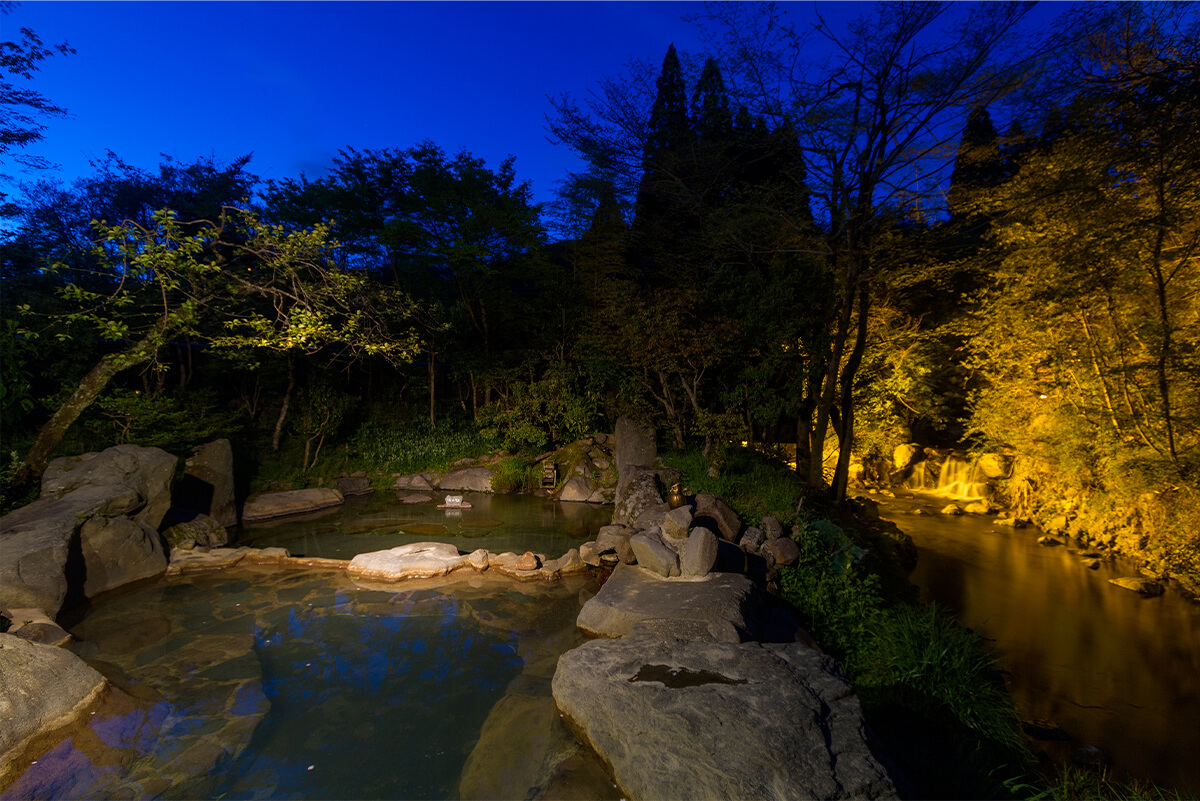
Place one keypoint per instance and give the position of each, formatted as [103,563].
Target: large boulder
[675,523]
[995,465]
[33,557]
[415,560]
[1138,584]
[117,551]
[635,446]
[638,490]
[147,471]
[752,539]
[631,595]
[41,560]
[714,513]
[569,564]
[416,481]
[906,455]
[772,529]
[652,554]
[609,538]
[783,551]
[676,719]
[470,479]
[207,485]
[354,485]
[271,505]
[577,489]
[44,689]
[700,553]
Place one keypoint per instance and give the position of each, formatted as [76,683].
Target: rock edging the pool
[679,698]
[695,686]
[417,560]
[45,689]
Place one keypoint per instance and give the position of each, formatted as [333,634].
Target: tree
[162,277]
[21,109]
[1092,313]
[979,164]
[875,120]
[462,240]
[720,217]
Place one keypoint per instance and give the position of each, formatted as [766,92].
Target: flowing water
[498,523]
[1107,666]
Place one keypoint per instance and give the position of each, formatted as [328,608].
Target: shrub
[556,409]
[1070,783]
[925,653]
[175,422]
[755,485]
[928,686]
[511,475]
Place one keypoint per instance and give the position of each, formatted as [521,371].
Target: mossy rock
[202,531]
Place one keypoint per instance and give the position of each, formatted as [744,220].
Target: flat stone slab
[675,719]
[415,560]
[294,502]
[632,595]
[201,559]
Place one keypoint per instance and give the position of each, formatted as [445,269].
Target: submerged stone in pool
[425,529]
[480,522]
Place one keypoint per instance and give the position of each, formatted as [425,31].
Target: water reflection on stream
[1111,668]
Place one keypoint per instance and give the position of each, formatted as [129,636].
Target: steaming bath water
[274,683]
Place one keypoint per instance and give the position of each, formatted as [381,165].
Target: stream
[1105,665]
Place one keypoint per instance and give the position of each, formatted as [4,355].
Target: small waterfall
[954,478]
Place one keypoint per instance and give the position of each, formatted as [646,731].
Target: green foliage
[755,485]
[322,407]
[925,655]
[839,607]
[175,422]
[413,447]
[1070,783]
[907,374]
[13,496]
[514,474]
[17,358]
[557,409]
[928,686]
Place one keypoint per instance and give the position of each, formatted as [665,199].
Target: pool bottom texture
[274,683]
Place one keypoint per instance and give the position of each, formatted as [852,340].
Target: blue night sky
[294,82]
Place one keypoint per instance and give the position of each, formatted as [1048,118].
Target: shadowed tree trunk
[283,410]
[89,388]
